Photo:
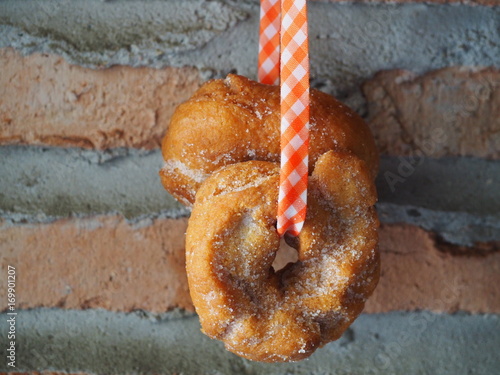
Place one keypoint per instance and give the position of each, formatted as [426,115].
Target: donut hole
[285,254]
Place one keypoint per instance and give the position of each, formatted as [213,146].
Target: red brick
[105,262]
[420,273]
[97,262]
[45,100]
[451,111]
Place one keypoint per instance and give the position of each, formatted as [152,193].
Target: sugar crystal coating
[285,315]
[234,120]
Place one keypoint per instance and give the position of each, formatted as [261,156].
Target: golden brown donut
[236,119]
[231,243]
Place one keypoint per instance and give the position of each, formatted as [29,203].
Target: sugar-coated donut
[231,243]
[236,119]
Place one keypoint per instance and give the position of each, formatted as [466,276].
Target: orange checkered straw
[291,67]
[269,42]
[294,76]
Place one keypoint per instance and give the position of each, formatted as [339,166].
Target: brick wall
[86,93]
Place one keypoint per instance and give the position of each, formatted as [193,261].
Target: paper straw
[294,76]
[269,42]
[284,59]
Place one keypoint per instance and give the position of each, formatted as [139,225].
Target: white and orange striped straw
[269,42]
[293,61]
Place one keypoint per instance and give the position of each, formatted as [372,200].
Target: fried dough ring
[231,243]
[236,119]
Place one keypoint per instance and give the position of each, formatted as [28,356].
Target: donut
[231,242]
[235,120]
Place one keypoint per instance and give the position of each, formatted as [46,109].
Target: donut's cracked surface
[231,243]
[221,154]
[234,120]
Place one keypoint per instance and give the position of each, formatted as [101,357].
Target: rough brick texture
[420,272]
[109,263]
[107,76]
[98,262]
[45,100]
[451,111]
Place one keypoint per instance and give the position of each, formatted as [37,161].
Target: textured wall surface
[87,90]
